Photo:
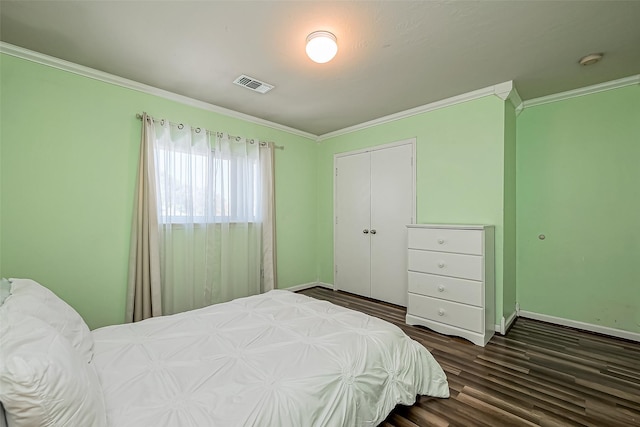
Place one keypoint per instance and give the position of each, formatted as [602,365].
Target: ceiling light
[591,59]
[322,46]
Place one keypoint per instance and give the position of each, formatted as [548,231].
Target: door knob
[365,231]
[373,231]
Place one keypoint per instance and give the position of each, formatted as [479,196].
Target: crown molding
[91,73]
[588,90]
[502,90]
[507,92]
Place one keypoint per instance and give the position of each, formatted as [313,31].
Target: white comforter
[277,359]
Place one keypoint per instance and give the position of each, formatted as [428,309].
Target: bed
[276,359]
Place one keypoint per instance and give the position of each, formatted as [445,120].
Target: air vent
[253,84]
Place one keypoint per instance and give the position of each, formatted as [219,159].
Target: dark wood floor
[537,374]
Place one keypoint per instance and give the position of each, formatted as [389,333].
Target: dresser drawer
[446,264]
[446,240]
[449,288]
[447,312]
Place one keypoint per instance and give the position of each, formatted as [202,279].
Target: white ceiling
[393,55]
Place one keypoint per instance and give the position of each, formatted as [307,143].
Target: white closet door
[352,245]
[391,211]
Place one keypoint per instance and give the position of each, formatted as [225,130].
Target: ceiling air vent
[253,84]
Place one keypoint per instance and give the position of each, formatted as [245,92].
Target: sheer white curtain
[214,195]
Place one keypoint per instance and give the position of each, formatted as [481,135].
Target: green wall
[510,246]
[460,172]
[578,166]
[68,159]
[69,148]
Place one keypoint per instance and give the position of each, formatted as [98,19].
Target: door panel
[352,209]
[391,211]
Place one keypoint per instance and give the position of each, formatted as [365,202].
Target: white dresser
[452,279]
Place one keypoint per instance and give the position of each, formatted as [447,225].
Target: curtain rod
[180,125]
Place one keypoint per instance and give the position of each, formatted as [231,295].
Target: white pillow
[31,298]
[43,379]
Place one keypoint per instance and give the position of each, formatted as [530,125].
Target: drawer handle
[440,288]
[441,241]
[441,312]
[441,264]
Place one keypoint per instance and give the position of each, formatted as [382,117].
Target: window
[202,187]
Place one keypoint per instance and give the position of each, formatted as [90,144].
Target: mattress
[276,359]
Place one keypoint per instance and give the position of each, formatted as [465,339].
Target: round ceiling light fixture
[590,59]
[322,46]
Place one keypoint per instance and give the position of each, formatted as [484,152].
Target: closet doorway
[374,200]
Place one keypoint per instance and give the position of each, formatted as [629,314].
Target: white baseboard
[303,286]
[619,333]
[326,285]
[506,323]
